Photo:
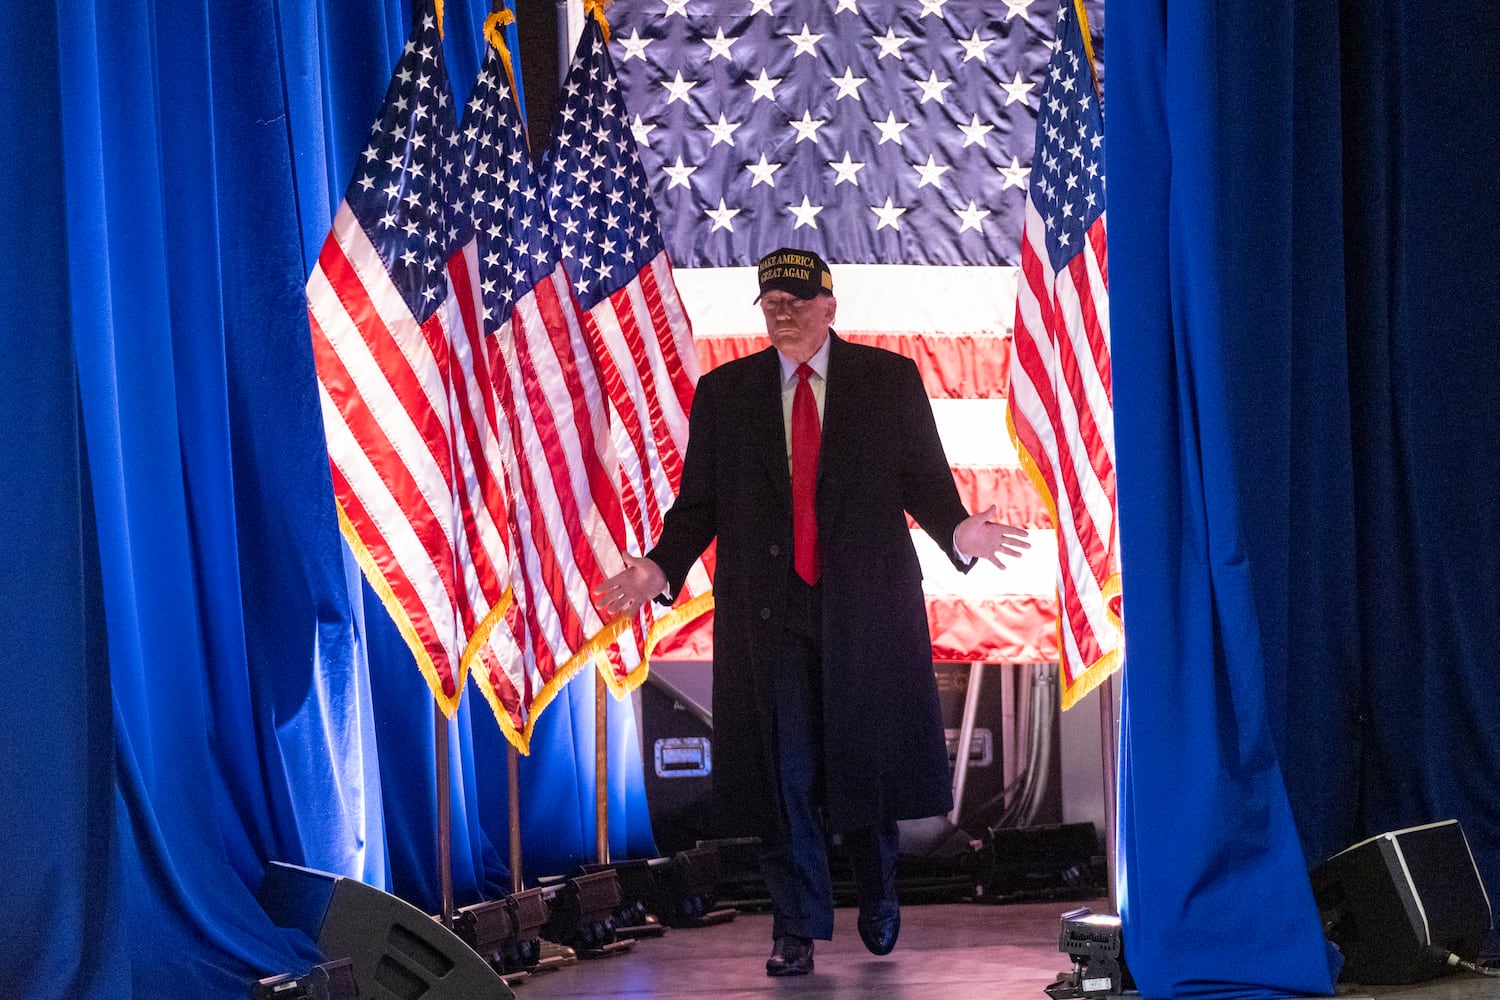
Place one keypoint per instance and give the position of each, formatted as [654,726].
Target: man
[803,461]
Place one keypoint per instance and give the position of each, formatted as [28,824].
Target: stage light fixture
[581,913]
[329,981]
[505,932]
[1097,947]
[688,889]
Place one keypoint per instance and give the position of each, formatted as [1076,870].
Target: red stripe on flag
[652,287]
[397,580]
[967,366]
[394,368]
[397,478]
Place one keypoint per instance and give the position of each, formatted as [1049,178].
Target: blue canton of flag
[519,250]
[595,183]
[405,185]
[1067,177]
[882,131]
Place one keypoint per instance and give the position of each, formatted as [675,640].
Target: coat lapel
[840,426]
[764,412]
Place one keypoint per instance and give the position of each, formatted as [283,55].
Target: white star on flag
[932,88]
[805,214]
[1015,175]
[679,174]
[635,46]
[846,170]
[1017,90]
[971,217]
[723,131]
[975,131]
[890,129]
[931,173]
[763,171]
[889,215]
[678,88]
[974,47]
[848,84]
[722,216]
[719,46]
[890,44]
[764,86]
[806,42]
[807,127]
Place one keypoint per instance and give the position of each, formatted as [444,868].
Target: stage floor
[946,952]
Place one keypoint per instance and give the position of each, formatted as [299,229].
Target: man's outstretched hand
[627,590]
[982,537]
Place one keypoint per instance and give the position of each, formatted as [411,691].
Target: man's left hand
[979,536]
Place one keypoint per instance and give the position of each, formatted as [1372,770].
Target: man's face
[797,327]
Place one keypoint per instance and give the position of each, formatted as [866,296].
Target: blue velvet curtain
[1307,408]
[195,681]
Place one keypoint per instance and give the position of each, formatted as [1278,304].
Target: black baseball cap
[800,272]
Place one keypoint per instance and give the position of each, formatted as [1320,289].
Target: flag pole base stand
[650,927]
[708,919]
[609,950]
[553,956]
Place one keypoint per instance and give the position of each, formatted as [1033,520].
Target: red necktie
[806,437]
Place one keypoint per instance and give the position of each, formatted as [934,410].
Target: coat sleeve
[927,490]
[692,521]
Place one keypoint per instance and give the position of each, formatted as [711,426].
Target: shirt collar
[818,362]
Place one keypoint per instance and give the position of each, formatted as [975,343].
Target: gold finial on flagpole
[595,8]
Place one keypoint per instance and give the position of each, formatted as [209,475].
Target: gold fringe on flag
[1088,44]
[378,583]
[496,37]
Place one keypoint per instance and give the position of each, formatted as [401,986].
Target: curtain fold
[1308,408]
[1215,901]
[192,691]
[61,865]
[1422,127]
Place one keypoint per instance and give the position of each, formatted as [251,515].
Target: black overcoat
[884,754]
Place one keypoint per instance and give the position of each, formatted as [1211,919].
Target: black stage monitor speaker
[399,952]
[1399,903]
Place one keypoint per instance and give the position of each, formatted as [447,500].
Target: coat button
[775,550]
[765,614]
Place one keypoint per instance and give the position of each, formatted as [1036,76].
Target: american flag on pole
[1061,410]
[894,137]
[633,317]
[417,464]
[567,517]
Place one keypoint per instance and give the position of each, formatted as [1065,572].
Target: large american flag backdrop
[894,137]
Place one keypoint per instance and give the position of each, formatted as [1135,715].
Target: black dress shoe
[879,928]
[792,956]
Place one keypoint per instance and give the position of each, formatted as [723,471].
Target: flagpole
[444,816]
[601,692]
[1108,735]
[513,796]
[601,770]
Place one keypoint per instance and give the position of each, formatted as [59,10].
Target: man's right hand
[626,591]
